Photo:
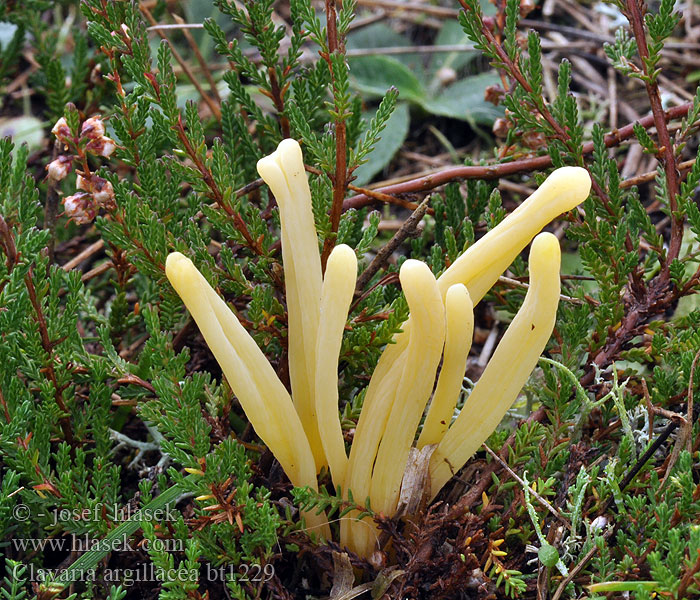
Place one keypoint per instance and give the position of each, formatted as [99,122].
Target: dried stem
[341,173]
[666,148]
[48,346]
[526,165]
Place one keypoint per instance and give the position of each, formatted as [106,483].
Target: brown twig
[48,345]
[408,227]
[651,175]
[136,380]
[341,174]
[381,197]
[496,171]
[666,149]
[86,253]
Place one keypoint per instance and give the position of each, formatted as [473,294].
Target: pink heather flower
[77,208]
[102,146]
[59,168]
[93,128]
[108,146]
[102,190]
[82,184]
[61,130]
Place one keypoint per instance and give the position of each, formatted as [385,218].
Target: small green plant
[128,465]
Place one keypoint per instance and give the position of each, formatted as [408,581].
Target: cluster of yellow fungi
[303,429]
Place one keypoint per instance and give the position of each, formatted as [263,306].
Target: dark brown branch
[526,165]
[408,227]
[666,148]
[341,172]
[48,346]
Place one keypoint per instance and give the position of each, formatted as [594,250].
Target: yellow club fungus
[336,296]
[509,368]
[459,316]
[284,172]
[262,395]
[303,431]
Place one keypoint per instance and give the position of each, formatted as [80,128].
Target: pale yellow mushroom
[336,296]
[376,407]
[403,378]
[478,269]
[422,357]
[480,266]
[459,316]
[283,171]
[509,368]
[251,377]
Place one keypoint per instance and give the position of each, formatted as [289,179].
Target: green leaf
[23,130]
[374,75]
[452,34]
[464,100]
[380,35]
[389,143]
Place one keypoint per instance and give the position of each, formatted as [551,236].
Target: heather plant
[128,466]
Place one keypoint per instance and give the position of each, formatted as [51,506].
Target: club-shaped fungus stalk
[336,296]
[509,368]
[459,317]
[303,431]
[262,395]
[422,359]
[478,268]
[283,171]
[370,427]
[406,400]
